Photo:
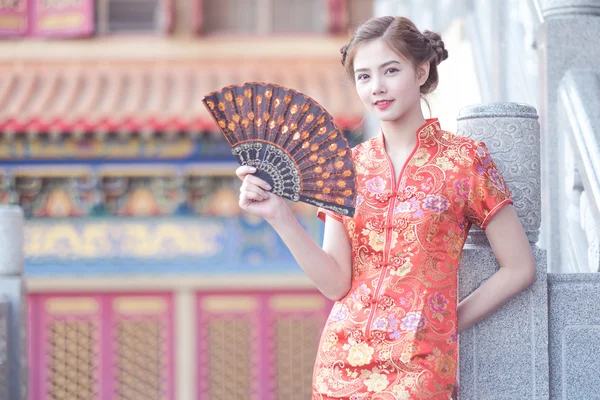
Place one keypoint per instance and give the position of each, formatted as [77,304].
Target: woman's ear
[423,73]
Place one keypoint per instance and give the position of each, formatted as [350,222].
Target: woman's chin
[387,116]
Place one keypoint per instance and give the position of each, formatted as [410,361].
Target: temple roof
[152,96]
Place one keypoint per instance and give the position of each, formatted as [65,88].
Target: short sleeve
[322,212]
[488,191]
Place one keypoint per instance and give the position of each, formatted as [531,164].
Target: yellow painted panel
[229,303]
[140,305]
[11,22]
[62,21]
[296,302]
[72,305]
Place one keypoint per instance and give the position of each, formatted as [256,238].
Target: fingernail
[268,187]
[253,169]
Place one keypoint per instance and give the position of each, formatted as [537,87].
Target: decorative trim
[147,283]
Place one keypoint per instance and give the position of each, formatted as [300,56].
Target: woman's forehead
[375,53]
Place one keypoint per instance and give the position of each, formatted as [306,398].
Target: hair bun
[437,44]
[344,51]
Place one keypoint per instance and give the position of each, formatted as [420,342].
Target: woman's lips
[383,104]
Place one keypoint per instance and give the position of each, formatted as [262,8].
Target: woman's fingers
[244,202]
[251,179]
[244,170]
[251,188]
[246,198]
[245,174]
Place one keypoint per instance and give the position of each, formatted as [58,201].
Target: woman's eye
[362,77]
[391,70]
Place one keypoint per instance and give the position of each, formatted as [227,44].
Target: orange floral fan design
[290,139]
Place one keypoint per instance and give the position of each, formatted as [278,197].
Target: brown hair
[402,35]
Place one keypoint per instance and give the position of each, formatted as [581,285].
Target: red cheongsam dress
[394,335]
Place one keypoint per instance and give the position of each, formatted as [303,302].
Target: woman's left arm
[516,273]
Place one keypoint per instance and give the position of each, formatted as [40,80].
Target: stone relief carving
[511,133]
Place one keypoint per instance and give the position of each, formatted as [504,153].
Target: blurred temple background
[143,278]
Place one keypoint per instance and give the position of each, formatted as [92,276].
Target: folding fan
[290,139]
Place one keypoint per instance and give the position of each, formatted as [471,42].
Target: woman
[392,268]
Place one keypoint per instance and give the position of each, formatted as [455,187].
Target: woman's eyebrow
[385,64]
[388,63]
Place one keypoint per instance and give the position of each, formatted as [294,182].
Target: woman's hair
[404,37]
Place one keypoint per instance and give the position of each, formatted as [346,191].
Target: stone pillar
[12,289]
[574,301]
[567,39]
[4,305]
[506,355]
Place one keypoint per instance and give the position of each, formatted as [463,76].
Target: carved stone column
[567,40]
[562,8]
[12,290]
[506,355]
[512,134]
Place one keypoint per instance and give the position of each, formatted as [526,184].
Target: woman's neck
[400,135]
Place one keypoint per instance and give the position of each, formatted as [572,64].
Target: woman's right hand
[255,198]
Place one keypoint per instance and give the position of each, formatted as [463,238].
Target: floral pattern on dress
[393,336]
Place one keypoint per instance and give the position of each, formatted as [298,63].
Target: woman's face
[386,82]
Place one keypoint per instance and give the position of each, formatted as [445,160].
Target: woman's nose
[378,88]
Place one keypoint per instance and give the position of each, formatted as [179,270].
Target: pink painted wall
[261,311]
[257,345]
[82,344]
[14,18]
